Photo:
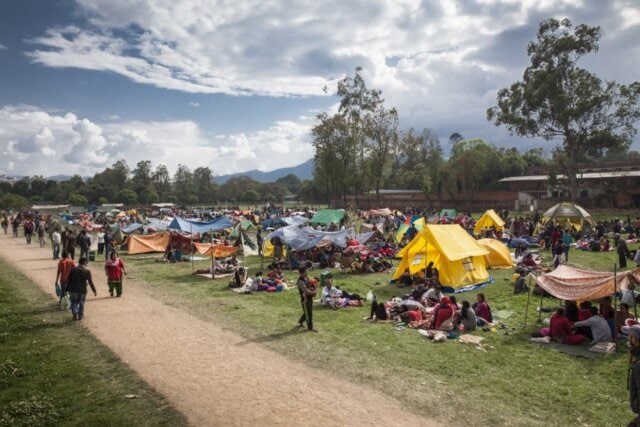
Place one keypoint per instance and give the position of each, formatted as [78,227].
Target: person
[330,295]
[5,224]
[62,275]
[411,232]
[482,310]
[406,279]
[15,224]
[621,317]
[623,252]
[41,232]
[468,316]
[557,251]
[79,278]
[259,241]
[599,327]
[634,378]
[84,243]
[56,239]
[114,269]
[443,315]
[629,295]
[70,243]
[307,292]
[608,313]
[108,243]
[572,311]
[561,330]
[100,236]
[521,283]
[566,244]
[28,230]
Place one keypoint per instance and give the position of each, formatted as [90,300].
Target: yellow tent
[458,258]
[268,249]
[489,219]
[499,255]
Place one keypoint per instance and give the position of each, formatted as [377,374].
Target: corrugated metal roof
[588,175]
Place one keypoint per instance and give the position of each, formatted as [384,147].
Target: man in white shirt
[600,329]
[330,295]
[56,238]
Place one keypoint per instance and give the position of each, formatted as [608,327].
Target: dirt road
[213,376]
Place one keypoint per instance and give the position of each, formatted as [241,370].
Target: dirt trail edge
[212,376]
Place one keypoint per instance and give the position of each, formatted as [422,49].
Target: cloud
[194,104]
[2,47]
[42,143]
[439,62]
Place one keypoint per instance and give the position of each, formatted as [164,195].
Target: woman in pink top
[114,268]
[482,310]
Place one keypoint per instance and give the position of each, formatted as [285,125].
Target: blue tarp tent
[130,228]
[191,226]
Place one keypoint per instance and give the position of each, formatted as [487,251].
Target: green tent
[449,213]
[327,216]
[246,226]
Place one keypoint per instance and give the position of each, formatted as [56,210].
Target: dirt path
[213,376]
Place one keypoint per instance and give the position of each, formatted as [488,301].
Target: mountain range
[302,171]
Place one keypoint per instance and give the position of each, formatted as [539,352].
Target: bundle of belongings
[359,259]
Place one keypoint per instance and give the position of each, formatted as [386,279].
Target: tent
[139,244]
[449,213]
[131,228]
[489,219]
[402,229]
[456,255]
[219,251]
[568,283]
[568,214]
[246,226]
[191,226]
[327,216]
[499,255]
[295,220]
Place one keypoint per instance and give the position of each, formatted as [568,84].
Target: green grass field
[513,382]
[53,372]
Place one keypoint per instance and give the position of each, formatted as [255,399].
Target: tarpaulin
[139,244]
[568,283]
[191,226]
[219,251]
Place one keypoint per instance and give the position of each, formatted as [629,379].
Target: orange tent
[139,244]
[219,251]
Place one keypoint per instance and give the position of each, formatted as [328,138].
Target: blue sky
[236,85]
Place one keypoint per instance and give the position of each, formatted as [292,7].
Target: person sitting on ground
[232,261]
[482,310]
[621,317]
[239,277]
[443,316]
[379,311]
[571,311]
[468,317]
[628,294]
[608,313]
[521,284]
[433,294]
[406,279]
[599,327]
[560,329]
[330,295]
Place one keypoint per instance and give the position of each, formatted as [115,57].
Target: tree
[290,181]
[382,138]
[14,201]
[78,200]
[250,197]
[103,200]
[558,100]
[161,181]
[183,183]
[128,197]
[455,137]
[141,178]
[149,196]
[202,178]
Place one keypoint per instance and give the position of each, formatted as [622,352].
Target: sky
[237,85]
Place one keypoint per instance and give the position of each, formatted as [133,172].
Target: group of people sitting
[575,323]
[333,297]
[426,307]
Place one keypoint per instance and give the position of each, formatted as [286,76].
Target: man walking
[56,239]
[307,292]
[65,265]
[84,242]
[79,278]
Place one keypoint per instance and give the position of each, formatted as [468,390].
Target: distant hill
[302,171]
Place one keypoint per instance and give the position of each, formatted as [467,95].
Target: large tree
[557,100]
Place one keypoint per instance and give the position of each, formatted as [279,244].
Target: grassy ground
[53,372]
[513,382]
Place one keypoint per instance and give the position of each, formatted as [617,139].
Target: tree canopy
[557,100]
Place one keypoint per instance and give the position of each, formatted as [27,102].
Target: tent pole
[213,260]
[540,310]
[526,311]
[191,232]
[615,303]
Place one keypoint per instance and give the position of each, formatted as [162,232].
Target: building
[611,184]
